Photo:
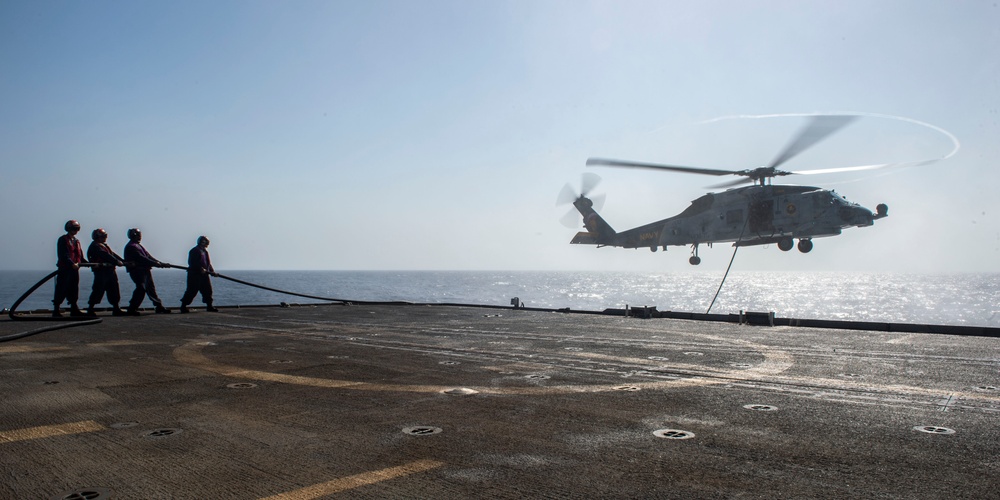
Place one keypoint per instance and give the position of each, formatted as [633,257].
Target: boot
[209,308]
[162,310]
[56,313]
[90,311]
[75,311]
[117,311]
[184,309]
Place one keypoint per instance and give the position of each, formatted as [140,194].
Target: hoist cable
[731,259]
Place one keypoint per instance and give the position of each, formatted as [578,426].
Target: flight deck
[379,401]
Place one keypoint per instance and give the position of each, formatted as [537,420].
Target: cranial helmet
[134,233]
[98,234]
[72,224]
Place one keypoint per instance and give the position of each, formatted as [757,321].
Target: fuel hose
[286,292]
[71,321]
[67,322]
[262,287]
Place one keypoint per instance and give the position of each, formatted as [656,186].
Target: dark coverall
[69,252]
[105,277]
[198,276]
[142,275]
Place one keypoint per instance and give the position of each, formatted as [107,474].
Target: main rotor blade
[736,182]
[603,162]
[859,168]
[818,128]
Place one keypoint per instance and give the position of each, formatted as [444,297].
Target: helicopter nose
[858,216]
[867,215]
[864,217]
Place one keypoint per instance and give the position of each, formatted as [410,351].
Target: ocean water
[946,299]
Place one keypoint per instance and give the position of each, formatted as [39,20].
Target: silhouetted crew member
[70,256]
[105,276]
[139,265]
[199,270]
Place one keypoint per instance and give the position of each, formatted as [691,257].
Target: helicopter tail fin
[599,232]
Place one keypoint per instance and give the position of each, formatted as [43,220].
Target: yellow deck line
[355,481]
[49,431]
[17,349]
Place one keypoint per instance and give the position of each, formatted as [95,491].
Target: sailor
[105,276]
[70,255]
[198,280]
[139,264]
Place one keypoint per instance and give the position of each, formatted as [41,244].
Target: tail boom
[598,231]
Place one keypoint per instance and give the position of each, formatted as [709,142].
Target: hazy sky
[438,134]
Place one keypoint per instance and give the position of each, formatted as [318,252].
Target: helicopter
[759,214]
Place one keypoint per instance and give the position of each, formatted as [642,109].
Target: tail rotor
[569,195]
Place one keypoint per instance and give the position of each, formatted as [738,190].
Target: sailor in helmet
[198,281]
[70,256]
[140,264]
[105,261]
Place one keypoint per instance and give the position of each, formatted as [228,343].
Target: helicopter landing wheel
[694,260]
[785,244]
[805,245]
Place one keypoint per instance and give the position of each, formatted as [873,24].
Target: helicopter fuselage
[751,215]
[754,215]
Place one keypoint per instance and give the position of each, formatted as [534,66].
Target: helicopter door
[761,216]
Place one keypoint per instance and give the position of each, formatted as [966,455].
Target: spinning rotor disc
[814,131]
[568,195]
